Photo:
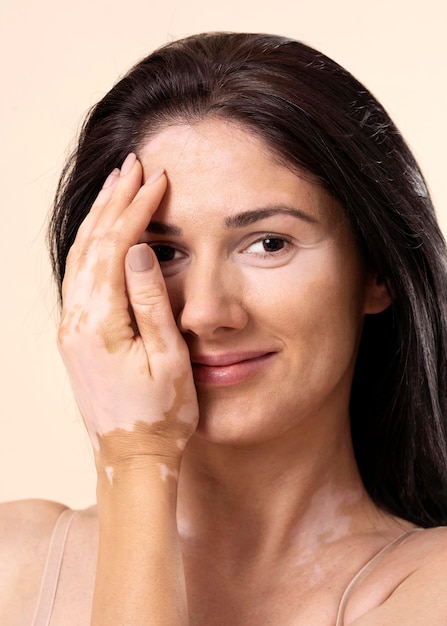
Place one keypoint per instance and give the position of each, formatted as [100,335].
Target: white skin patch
[325,503]
[109,473]
[185,528]
[181,443]
[185,414]
[167,472]
[118,412]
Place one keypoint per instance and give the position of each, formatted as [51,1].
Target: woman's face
[265,282]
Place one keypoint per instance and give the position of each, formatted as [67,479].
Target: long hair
[313,115]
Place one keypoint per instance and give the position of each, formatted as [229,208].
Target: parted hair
[314,116]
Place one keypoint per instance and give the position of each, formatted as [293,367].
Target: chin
[240,426]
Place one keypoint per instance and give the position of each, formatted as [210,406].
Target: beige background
[58,58]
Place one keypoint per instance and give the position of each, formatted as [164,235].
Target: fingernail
[154,176]
[111,178]
[140,258]
[128,163]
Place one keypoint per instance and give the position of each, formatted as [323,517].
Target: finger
[100,202]
[77,250]
[134,219]
[126,231]
[150,303]
[83,247]
[118,191]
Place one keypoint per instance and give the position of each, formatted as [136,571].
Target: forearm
[140,576]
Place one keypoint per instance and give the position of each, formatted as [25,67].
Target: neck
[260,498]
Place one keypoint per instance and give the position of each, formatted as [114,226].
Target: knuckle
[63,337]
[79,253]
[74,324]
[152,294]
[113,239]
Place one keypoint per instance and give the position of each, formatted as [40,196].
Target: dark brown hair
[314,116]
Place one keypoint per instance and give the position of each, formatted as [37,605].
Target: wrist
[137,473]
[121,451]
[133,499]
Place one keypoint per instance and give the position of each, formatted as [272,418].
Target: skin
[226,493]
[228,295]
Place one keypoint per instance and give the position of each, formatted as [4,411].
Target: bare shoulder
[428,544]
[24,523]
[25,531]
[408,587]
[26,527]
[26,512]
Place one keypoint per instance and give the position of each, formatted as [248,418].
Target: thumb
[149,299]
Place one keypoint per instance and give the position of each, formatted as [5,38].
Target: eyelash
[271,237]
[161,249]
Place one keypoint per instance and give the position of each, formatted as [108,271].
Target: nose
[212,302]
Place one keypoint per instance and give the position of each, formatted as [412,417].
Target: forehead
[211,148]
[217,164]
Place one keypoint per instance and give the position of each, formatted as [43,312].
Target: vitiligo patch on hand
[160,439]
[167,472]
[109,473]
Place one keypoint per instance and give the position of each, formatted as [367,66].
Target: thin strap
[51,573]
[366,569]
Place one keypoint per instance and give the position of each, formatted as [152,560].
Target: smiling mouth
[228,369]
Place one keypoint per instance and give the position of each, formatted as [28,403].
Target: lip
[228,369]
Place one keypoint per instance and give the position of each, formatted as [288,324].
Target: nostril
[191,333]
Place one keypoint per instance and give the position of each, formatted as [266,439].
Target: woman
[264,384]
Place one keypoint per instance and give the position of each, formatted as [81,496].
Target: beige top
[50,578]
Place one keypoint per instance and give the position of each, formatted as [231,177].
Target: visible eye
[164,253]
[268,245]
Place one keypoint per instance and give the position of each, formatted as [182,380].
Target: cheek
[316,304]
[317,296]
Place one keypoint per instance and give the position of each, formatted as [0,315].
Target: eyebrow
[159,228]
[249,217]
[239,220]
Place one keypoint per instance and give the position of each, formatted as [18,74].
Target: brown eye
[164,253]
[268,246]
[273,244]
